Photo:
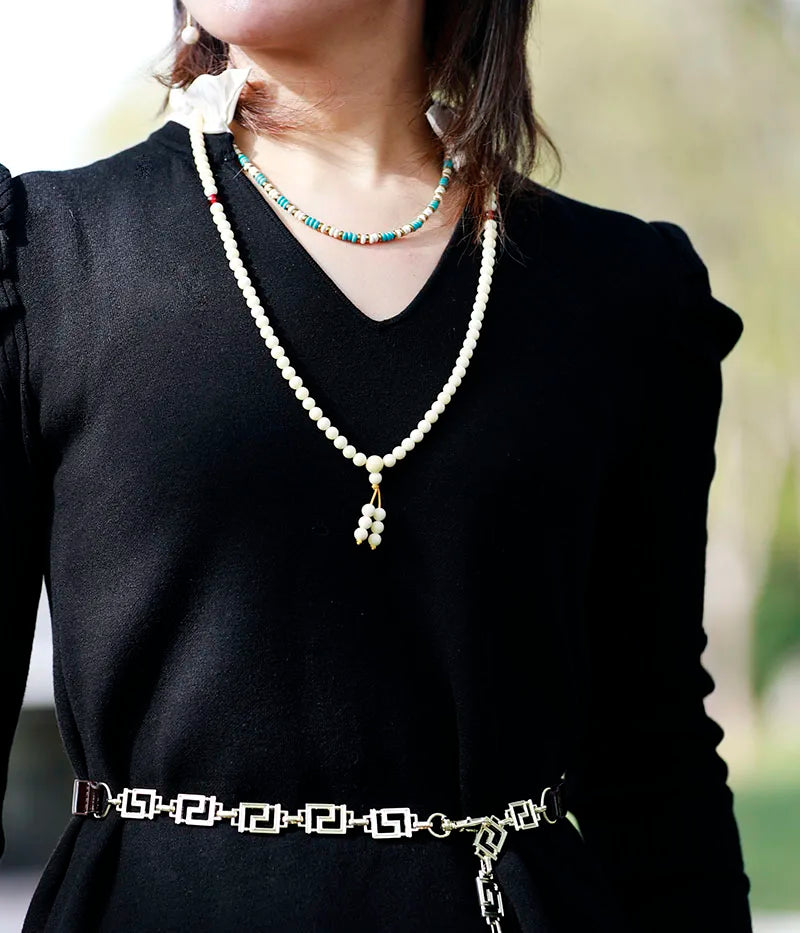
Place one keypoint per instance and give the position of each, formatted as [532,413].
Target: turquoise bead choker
[269,191]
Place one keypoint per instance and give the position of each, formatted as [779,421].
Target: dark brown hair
[477,64]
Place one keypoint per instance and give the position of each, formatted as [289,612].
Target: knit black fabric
[535,606]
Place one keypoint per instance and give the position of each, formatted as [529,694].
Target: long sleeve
[651,794]
[21,506]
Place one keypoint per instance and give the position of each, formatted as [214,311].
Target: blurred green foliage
[776,628]
[769,824]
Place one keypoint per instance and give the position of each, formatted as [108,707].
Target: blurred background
[667,109]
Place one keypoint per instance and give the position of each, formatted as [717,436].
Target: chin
[261,24]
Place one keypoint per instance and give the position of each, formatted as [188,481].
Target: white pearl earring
[190,33]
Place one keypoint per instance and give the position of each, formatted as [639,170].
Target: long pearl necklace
[371,524]
[268,190]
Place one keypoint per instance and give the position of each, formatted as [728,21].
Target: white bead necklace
[371,524]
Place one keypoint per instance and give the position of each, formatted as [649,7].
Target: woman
[389,716]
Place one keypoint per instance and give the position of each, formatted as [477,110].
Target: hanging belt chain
[143,803]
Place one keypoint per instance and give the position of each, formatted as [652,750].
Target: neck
[352,100]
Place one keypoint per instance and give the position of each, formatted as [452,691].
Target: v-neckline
[408,312]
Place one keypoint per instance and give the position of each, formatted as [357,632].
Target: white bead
[454,382]
[375,478]
[361,534]
[389,460]
[315,413]
[377,527]
[272,341]
[283,362]
[438,407]
[365,521]
[277,352]
[332,433]
[432,416]
[190,34]
[465,355]
[254,302]
[236,264]
[424,426]
[249,291]
[374,540]
[459,371]
[217,208]
[368,510]
[360,459]
[399,452]
[295,382]
[379,514]
[349,451]
[416,436]
[309,403]
[324,423]
[262,322]
[374,463]
[301,393]
[446,393]
[289,372]
[407,444]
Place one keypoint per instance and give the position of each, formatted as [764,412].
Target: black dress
[534,609]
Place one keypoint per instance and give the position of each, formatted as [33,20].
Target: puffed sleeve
[21,504]
[650,793]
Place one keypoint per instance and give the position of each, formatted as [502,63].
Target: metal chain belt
[144,803]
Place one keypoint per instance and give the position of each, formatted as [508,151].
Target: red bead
[489,214]
[212,198]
